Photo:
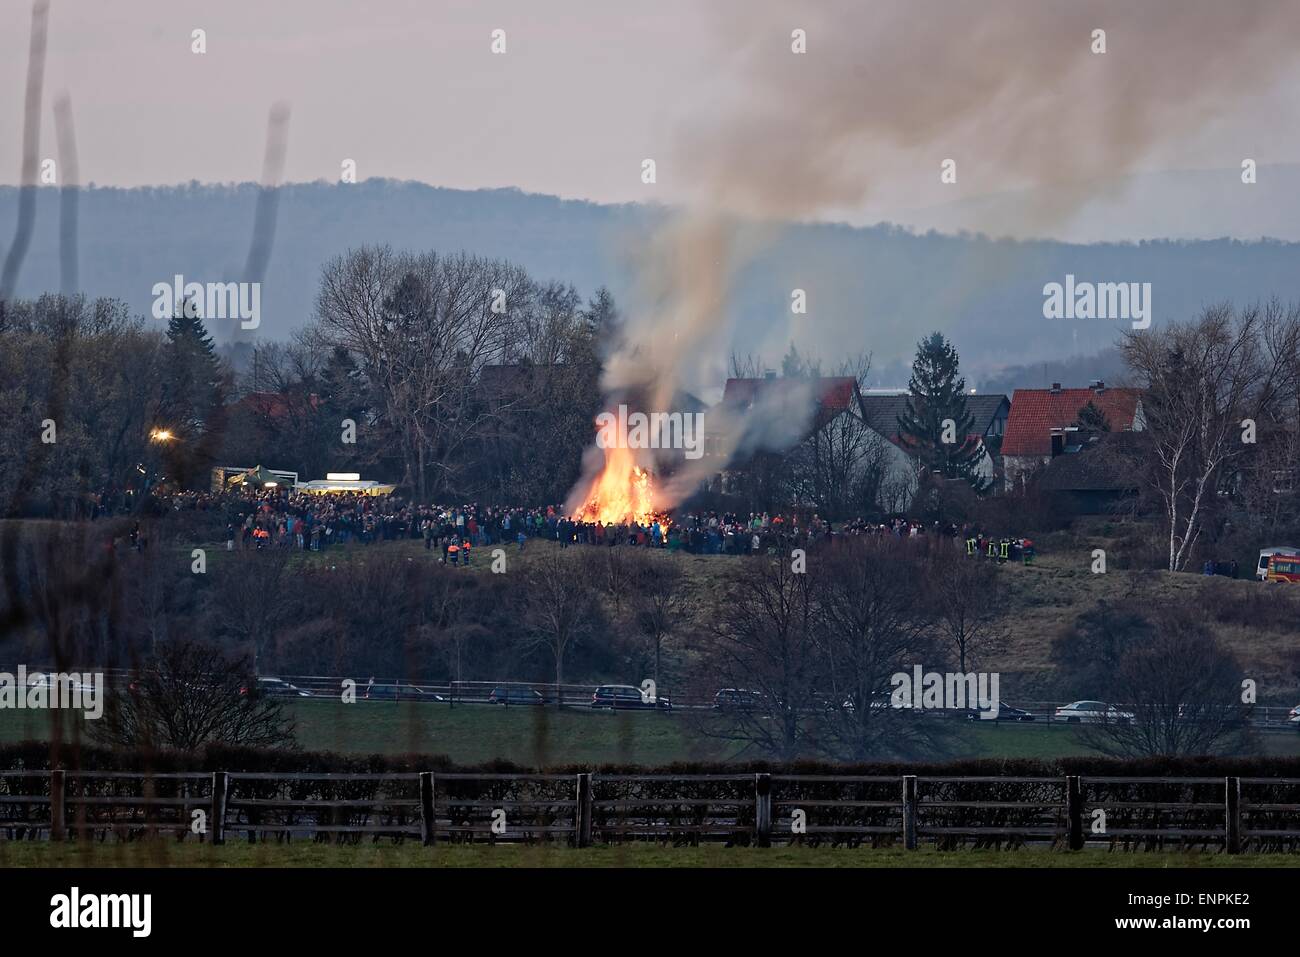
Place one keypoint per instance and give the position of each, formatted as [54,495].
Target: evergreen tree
[193,397]
[795,366]
[1092,418]
[603,325]
[937,399]
[193,390]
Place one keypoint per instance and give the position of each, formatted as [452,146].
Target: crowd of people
[285,518]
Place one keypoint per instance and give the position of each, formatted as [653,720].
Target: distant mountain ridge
[877,288]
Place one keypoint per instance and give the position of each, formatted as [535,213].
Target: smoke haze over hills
[877,289]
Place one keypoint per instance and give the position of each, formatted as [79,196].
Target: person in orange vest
[464,552]
[453,553]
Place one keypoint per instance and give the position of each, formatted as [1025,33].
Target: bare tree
[874,622]
[423,327]
[250,598]
[190,695]
[968,608]
[844,463]
[1176,691]
[658,601]
[1202,380]
[764,643]
[559,604]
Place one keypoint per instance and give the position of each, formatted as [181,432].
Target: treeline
[458,377]
[82,384]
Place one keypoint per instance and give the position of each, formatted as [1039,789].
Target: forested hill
[877,288]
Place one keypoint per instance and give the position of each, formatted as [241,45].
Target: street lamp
[161,435]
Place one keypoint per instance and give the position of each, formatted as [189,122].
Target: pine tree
[936,409]
[193,398]
[601,328]
[1092,418]
[193,390]
[795,366]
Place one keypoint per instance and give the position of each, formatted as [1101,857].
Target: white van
[1261,569]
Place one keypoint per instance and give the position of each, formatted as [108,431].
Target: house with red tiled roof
[1042,422]
[775,414]
[276,406]
[832,396]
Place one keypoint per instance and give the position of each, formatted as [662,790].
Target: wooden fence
[1233,814]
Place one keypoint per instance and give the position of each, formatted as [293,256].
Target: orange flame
[622,492]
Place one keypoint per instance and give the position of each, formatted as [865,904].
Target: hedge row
[39,755]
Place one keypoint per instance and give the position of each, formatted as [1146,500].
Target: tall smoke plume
[1012,91]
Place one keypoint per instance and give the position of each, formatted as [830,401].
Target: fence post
[909,811]
[427,821]
[1074,812]
[1232,812]
[582,813]
[220,785]
[763,809]
[58,805]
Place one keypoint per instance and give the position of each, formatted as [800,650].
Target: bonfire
[621,493]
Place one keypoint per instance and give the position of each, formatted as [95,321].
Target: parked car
[1225,715]
[397,692]
[52,684]
[1005,713]
[277,687]
[626,697]
[1293,716]
[517,696]
[1091,712]
[880,701]
[737,699]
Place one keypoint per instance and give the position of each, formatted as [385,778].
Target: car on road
[278,688]
[1091,712]
[627,698]
[1223,715]
[515,696]
[1293,717]
[1005,713]
[54,683]
[374,691]
[737,699]
[880,701]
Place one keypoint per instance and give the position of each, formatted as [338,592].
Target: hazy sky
[410,89]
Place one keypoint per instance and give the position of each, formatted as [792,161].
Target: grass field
[411,854]
[541,737]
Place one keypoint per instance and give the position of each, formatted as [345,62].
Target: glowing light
[623,492]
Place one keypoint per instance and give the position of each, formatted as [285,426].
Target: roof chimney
[1097,386]
[1056,387]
